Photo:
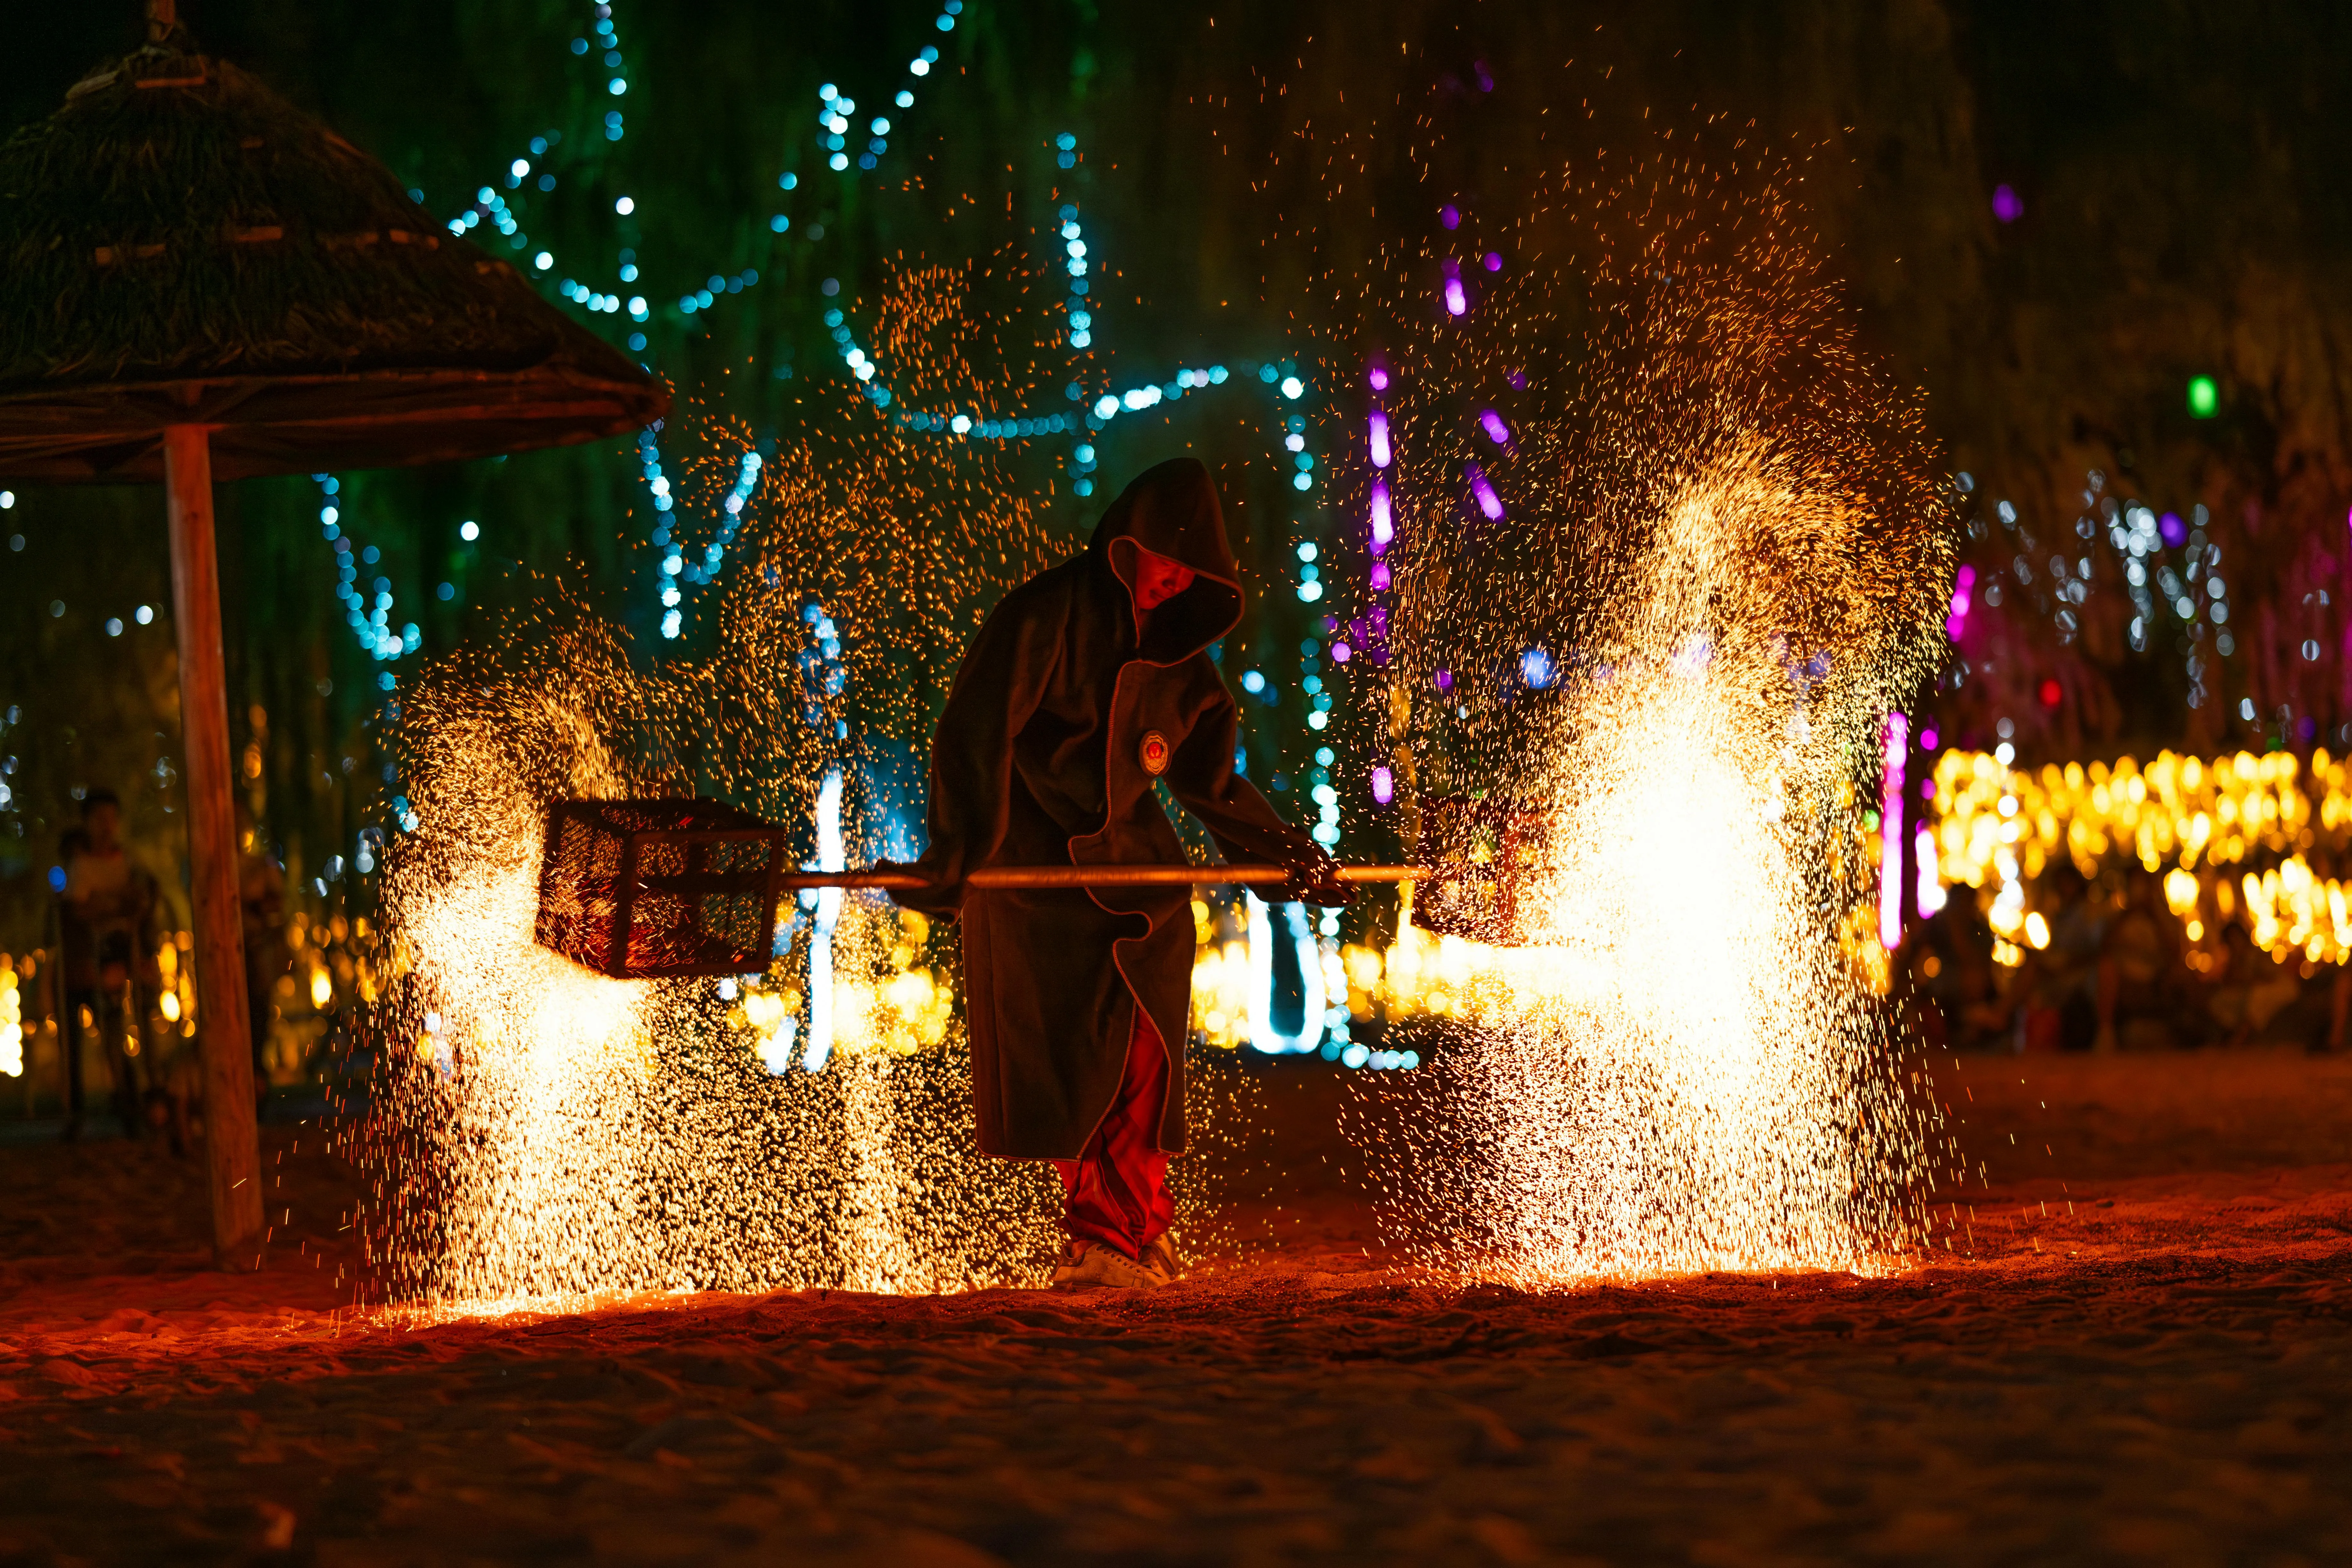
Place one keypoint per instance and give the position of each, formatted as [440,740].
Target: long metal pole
[1096,877]
[232,1145]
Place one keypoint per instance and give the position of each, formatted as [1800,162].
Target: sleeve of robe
[1201,775]
[1003,676]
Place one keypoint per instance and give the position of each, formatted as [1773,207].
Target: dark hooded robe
[1058,723]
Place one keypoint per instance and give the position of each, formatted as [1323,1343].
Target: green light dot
[2204,397]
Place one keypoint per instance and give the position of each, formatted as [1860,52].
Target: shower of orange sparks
[1729,470]
[541,1133]
[1721,526]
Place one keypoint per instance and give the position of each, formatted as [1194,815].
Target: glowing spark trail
[537,1133]
[1727,562]
[1664,613]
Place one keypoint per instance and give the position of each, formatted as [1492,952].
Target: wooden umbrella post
[232,1146]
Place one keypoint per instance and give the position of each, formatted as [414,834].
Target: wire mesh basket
[660,887]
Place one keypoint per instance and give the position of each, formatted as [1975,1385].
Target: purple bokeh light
[1377,377]
[1383,520]
[1496,431]
[1379,440]
[2006,205]
[2175,531]
[1384,785]
[1493,262]
[1444,679]
[1379,578]
[1457,302]
[1488,501]
[1963,587]
[1890,829]
[1450,216]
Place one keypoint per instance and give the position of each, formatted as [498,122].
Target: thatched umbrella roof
[179,244]
[197,280]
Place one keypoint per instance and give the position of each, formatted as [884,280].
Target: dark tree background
[2176,186]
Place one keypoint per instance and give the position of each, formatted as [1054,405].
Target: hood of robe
[1171,510]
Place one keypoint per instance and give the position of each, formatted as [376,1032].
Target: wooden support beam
[232,1145]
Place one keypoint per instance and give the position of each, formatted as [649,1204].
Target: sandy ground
[2162,1374]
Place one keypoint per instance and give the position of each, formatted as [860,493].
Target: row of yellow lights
[889,1006]
[12,1019]
[324,963]
[1994,824]
[1990,824]
[897,1007]
[1417,974]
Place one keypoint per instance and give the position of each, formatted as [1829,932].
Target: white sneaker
[1089,1265]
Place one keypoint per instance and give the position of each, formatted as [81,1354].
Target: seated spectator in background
[261,898]
[107,921]
[2147,992]
[2057,986]
[2252,989]
[2339,1003]
[1952,970]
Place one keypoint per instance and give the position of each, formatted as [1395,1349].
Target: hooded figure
[1085,685]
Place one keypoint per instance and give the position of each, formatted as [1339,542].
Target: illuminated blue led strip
[650,466]
[1081,309]
[1315,1005]
[702,299]
[368,613]
[834,126]
[673,567]
[611,304]
[607,35]
[747,479]
[824,675]
[489,204]
[823,678]
[835,110]
[834,123]
[1074,251]
[1102,411]
[982,428]
[861,364]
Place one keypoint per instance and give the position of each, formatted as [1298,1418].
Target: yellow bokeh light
[2181,818]
[12,1020]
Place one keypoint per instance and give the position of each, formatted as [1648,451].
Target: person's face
[1159,579]
[104,823]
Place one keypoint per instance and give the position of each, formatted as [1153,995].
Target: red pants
[1116,1191]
